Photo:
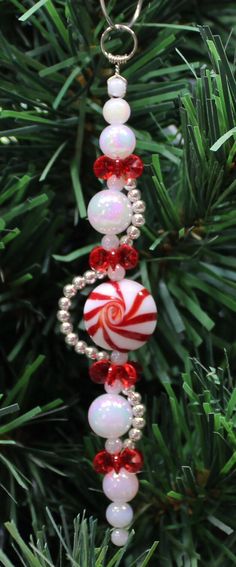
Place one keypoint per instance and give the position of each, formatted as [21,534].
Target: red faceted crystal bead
[103,462]
[125,373]
[98,371]
[127,256]
[104,167]
[132,167]
[113,258]
[131,460]
[99,259]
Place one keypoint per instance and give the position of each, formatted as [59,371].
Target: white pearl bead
[114,388]
[117,274]
[110,241]
[120,487]
[115,183]
[119,357]
[116,111]
[113,446]
[116,86]
[119,515]
[119,537]
[117,141]
[109,212]
[110,415]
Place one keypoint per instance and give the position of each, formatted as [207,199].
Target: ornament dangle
[120,314]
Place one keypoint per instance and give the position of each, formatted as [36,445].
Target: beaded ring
[119,314]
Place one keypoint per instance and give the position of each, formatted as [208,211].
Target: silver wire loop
[116,58]
[133,19]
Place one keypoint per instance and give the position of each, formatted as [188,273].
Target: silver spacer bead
[134,398]
[126,240]
[102,355]
[138,410]
[128,444]
[63,315]
[91,352]
[79,282]
[64,303]
[134,195]
[138,220]
[80,347]
[71,339]
[138,423]
[133,232]
[128,391]
[100,275]
[135,434]
[131,184]
[69,290]
[139,207]
[66,328]
[90,276]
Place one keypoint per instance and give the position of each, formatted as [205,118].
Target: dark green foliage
[182,90]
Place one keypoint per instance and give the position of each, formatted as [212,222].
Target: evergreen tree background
[182,90]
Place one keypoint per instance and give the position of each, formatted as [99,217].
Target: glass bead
[116,274]
[127,256]
[113,446]
[99,259]
[110,241]
[102,462]
[132,460]
[118,357]
[98,371]
[115,183]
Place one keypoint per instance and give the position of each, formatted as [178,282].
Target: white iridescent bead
[117,274]
[120,487]
[119,357]
[109,212]
[114,388]
[119,515]
[110,241]
[116,86]
[113,446]
[117,141]
[115,183]
[116,111]
[119,537]
[110,415]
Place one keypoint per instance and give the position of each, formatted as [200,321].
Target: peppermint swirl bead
[120,315]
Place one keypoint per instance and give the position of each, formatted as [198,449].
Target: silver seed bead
[131,184]
[126,240]
[134,398]
[69,290]
[102,355]
[134,195]
[71,339]
[90,276]
[135,434]
[139,410]
[63,315]
[66,328]
[138,220]
[138,422]
[80,347]
[128,391]
[139,207]
[91,352]
[100,275]
[64,303]
[79,282]
[128,444]
[133,232]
